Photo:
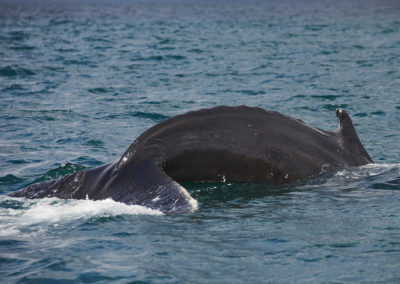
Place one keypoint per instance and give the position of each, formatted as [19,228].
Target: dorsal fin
[348,137]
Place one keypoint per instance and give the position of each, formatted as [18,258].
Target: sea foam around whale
[22,213]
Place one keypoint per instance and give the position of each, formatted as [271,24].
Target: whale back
[245,144]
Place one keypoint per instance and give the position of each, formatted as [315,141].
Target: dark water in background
[80,81]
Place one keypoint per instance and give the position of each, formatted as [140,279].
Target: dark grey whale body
[237,144]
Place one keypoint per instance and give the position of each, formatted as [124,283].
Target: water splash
[17,214]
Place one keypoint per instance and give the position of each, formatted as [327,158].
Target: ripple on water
[22,47]
[378,113]
[326,97]
[156,117]
[94,143]
[360,114]
[334,107]
[99,90]
[159,58]
[10,180]
[13,71]
[13,87]
[61,171]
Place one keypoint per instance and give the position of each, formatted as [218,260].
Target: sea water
[80,80]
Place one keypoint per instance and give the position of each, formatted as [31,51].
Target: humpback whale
[235,144]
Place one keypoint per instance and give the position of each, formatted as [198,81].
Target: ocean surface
[80,80]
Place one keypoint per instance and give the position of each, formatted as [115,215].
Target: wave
[10,180]
[12,71]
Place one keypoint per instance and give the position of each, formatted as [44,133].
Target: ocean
[80,80]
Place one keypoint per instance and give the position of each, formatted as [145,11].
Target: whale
[223,143]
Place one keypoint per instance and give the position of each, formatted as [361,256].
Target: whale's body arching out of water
[237,144]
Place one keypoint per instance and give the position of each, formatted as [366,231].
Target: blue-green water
[80,80]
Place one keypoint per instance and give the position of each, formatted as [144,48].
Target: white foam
[367,170]
[381,166]
[53,211]
[50,209]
